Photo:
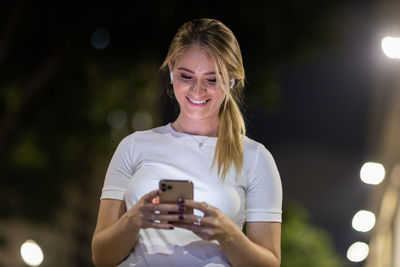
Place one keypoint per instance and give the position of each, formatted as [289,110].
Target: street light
[391,47]
[358,252]
[363,221]
[372,173]
[31,253]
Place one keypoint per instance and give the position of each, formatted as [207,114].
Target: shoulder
[146,134]
[256,156]
[260,164]
[252,147]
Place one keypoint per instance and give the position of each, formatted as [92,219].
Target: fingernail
[181,207]
[180,217]
[171,227]
[181,200]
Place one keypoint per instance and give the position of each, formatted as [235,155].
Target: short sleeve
[120,170]
[264,191]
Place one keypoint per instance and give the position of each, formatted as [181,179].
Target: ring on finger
[206,211]
[198,221]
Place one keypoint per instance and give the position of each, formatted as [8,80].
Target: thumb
[149,196]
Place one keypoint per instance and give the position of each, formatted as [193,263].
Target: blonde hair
[219,41]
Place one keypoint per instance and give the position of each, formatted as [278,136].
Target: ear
[171,75]
[232,83]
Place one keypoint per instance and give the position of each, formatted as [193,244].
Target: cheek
[220,96]
[180,87]
[177,91]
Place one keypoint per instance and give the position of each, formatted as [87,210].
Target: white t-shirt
[143,158]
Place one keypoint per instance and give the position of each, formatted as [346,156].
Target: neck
[196,127]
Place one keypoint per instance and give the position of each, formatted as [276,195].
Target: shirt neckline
[192,137]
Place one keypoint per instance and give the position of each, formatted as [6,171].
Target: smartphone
[172,190]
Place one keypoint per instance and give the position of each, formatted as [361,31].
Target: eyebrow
[188,70]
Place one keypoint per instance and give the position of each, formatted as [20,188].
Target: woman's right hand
[145,213]
[117,229]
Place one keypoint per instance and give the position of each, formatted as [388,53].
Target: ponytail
[229,149]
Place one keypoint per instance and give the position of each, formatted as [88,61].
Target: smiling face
[195,86]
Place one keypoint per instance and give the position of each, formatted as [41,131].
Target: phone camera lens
[169,187]
[163,189]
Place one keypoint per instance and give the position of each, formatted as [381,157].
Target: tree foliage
[304,244]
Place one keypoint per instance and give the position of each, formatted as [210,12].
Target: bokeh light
[372,173]
[358,252]
[100,38]
[116,118]
[142,120]
[391,47]
[31,253]
[363,221]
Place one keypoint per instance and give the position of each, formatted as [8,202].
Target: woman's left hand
[213,225]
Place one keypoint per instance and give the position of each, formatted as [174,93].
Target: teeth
[197,102]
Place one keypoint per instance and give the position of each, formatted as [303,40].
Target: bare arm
[261,246]
[117,229]
[114,236]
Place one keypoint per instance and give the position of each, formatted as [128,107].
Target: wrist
[131,220]
[231,234]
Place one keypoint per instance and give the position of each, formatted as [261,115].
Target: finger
[167,217]
[204,207]
[156,200]
[196,220]
[164,207]
[150,219]
[191,227]
[160,226]
[149,196]
[182,219]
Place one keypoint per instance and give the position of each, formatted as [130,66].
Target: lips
[197,102]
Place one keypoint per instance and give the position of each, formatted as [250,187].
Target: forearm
[112,245]
[241,251]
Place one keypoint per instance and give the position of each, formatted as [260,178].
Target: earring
[232,83]
[171,75]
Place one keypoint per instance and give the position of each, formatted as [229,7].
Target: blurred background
[322,94]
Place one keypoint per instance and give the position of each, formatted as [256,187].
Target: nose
[198,88]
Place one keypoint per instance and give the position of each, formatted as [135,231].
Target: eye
[186,77]
[212,80]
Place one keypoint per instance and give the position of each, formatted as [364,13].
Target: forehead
[196,59]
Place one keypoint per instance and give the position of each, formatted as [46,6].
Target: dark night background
[308,88]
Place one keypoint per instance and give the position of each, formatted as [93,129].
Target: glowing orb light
[31,253]
[391,47]
[372,173]
[358,252]
[363,221]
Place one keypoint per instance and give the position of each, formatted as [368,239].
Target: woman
[235,178]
